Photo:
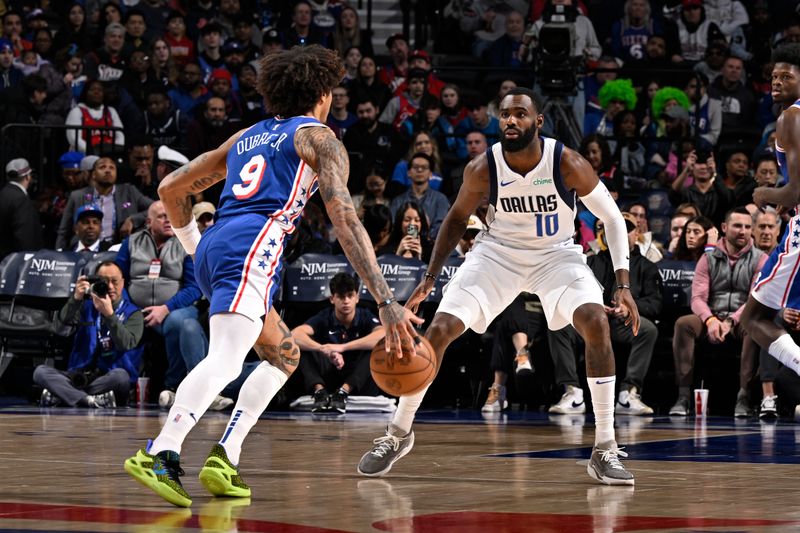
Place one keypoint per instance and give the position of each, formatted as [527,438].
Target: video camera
[557,68]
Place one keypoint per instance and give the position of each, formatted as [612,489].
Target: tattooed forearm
[280,350]
[201,184]
[327,155]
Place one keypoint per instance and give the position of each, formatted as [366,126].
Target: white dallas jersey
[534,211]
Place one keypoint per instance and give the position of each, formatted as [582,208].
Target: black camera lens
[100,288]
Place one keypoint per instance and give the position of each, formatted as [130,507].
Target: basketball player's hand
[155,315]
[624,303]
[792,318]
[399,322]
[420,293]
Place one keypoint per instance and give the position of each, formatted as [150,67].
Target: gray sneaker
[102,400]
[681,407]
[387,450]
[604,465]
[49,399]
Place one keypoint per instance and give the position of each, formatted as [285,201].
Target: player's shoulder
[480,163]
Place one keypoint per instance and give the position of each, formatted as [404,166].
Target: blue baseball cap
[87,209]
[71,160]
[5,44]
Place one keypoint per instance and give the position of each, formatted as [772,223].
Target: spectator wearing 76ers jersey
[92,113]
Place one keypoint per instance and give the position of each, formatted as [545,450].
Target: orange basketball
[403,376]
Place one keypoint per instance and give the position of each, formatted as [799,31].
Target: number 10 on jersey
[546,225]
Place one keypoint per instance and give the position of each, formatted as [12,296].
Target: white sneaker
[797,413]
[630,403]
[769,407]
[166,399]
[571,402]
[496,401]
[220,403]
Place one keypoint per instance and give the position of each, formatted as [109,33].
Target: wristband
[386,302]
[188,235]
[430,276]
[623,286]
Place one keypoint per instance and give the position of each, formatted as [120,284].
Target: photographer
[106,353]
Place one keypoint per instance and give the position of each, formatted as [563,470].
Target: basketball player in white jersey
[778,285]
[532,184]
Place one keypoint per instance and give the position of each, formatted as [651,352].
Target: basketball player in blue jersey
[532,184]
[778,285]
[270,170]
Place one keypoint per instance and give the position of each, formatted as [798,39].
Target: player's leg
[759,321]
[399,439]
[280,356]
[591,322]
[158,468]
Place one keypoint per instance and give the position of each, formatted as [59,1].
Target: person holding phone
[410,236]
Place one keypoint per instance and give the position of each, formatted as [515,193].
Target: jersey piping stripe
[492,177]
[780,259]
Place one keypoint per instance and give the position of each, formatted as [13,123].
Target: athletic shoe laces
[386,444]
[610,457]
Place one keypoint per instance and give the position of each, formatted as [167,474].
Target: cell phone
[412,230]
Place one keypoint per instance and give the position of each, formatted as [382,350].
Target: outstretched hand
[399,323]
[625,303]
[419,295]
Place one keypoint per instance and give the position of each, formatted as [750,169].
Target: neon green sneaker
[220,477]
[159,473]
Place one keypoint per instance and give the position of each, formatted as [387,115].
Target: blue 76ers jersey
[266,176]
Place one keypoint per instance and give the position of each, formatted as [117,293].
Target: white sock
[257,391]
[406,410]
[602,390]
[786,351]
[232,336]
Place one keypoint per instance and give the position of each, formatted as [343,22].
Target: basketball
[403,376]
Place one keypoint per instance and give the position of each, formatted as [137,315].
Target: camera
[556,67]
[99,286]
[412,230]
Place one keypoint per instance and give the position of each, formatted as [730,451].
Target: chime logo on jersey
[528,204]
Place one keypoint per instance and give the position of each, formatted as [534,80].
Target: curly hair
[787,53]
[664,95]
[293,81]
[621,90]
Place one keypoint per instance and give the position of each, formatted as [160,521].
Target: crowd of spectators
[671,100]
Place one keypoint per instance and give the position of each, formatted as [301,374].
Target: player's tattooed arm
[319,148]
[195,176]
[276,344]
[474,189]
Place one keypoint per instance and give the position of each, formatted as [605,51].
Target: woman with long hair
[352,57]
[74,31]
[163,65]
[411,233]
[452,107]
[424,142]
[348,33]
[367,86]
[698,234]
[595,150]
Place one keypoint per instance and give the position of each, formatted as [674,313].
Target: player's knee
[593,327]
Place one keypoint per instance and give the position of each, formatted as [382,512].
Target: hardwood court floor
[62,471]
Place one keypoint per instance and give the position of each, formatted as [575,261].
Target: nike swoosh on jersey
[504,183]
